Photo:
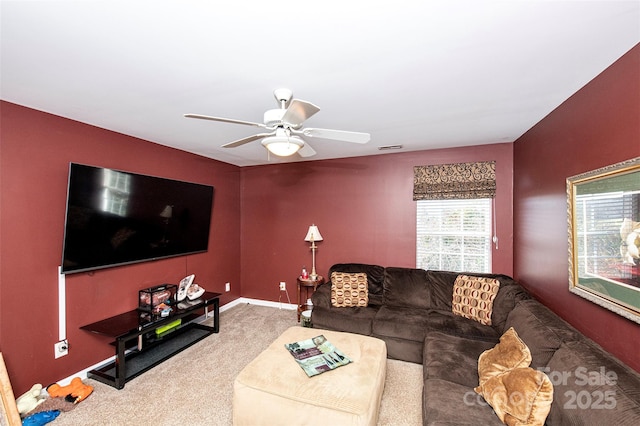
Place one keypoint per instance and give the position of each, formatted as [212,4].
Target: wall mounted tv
[116,218]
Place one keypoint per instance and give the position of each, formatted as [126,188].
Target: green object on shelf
[168,327]
[306,318]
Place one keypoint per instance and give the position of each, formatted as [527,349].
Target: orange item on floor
[76,389]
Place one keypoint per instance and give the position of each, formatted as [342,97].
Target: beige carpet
[195,387]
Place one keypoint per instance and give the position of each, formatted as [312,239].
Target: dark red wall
[36,149]
[598,126]
[362,206]
[369,197]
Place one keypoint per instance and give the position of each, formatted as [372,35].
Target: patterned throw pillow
[349,289]
[473,297]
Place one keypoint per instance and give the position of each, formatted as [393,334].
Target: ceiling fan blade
[224,120]
[247,140]
[306,151]
[338,135]
[298,111]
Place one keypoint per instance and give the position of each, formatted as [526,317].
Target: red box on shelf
[151,298]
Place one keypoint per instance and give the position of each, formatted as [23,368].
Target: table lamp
[313,235]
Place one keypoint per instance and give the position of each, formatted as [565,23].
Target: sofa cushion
[449,403]
[452,358]
[349,289]
[510,292]
[473,297]
[403,323]
[351,320]
[322,295]
[521,396]
[402,349]
[406,287]
[508,296]
[592,386]
[454,325]
[441,293]
[538,328]
[508,354]
[375,278]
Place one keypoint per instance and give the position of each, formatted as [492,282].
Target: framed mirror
[603,208]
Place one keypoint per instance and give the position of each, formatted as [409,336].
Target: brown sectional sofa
[411,310]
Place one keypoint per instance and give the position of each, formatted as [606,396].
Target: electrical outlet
[283,286]
[61,348]
[227,287]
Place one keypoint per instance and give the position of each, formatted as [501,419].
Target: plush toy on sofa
[74,392]
[30,399]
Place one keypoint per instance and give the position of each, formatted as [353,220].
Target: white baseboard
[258,302]
[240,301]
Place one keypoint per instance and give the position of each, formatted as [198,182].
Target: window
[454,235]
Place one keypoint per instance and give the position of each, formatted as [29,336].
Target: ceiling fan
[284,135]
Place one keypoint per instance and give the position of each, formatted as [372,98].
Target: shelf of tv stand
[132,329]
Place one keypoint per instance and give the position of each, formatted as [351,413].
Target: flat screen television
[117,218]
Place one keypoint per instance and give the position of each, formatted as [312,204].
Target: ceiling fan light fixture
[282,146]
[283,122]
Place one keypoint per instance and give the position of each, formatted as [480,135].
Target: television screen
[116,218]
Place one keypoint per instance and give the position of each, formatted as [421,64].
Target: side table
[309,286]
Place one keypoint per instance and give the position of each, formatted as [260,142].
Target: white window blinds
[454,235]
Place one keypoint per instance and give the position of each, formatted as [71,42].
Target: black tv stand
[136,331]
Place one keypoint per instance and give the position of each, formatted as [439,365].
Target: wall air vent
[388,147]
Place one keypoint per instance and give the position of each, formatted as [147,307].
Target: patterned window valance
[449,181]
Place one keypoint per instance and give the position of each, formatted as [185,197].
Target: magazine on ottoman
[317,355]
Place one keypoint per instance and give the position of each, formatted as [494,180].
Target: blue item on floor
[41,418]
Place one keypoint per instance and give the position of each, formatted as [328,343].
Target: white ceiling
[423,74]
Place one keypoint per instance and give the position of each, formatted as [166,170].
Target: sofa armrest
[322,296]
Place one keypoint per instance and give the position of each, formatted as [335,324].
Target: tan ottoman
[273,389]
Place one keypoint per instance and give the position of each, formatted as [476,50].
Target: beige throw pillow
[521,396]
[518,394]
[349,289]
[473,297]
[510,353]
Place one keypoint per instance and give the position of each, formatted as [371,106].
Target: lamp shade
[313,234]
[167,212]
